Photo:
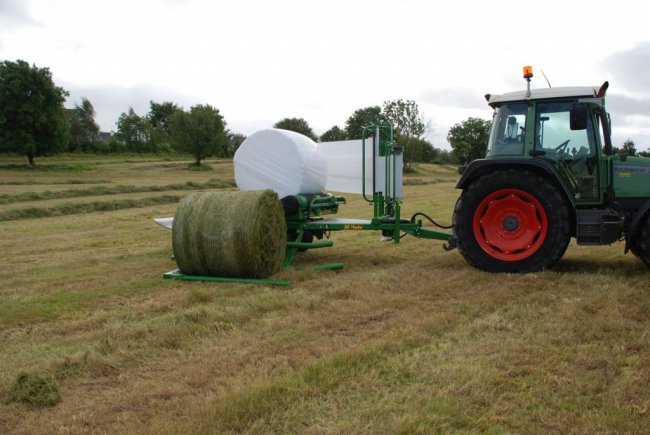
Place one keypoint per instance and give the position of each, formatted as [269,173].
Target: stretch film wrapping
[284,161]
[344,165]
[346,161]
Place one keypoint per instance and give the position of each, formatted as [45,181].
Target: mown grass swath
[85,207]
[51,182]
[112,190]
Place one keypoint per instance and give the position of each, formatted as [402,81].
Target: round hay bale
[231,234]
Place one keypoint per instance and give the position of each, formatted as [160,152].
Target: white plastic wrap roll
[344,165]
[345,161]
[281,160]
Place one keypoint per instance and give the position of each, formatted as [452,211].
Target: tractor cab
[557,125]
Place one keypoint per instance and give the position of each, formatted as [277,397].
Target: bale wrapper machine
[311,218]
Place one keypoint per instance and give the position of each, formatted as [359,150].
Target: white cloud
[628,99]
[624,105]
[629,68]
[463,98]
[13,14]
[260,61]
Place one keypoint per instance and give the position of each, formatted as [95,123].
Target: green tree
[334,134]
[75,132]
[84,131]
[159,117]
[470,138]
[135,132]
[160,114]
[422,151]
[113,145]
[629,148]
[299,125]
[409,126]
[32,117]
[362,118]
[234,141]
[201,132]
[442,157]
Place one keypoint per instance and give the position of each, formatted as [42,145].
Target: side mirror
[578,117]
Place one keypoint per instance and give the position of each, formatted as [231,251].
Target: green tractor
[550,174]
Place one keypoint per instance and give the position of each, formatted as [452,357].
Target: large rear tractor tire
[512,221]
[641,243]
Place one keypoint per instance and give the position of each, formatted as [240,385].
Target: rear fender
[479,167]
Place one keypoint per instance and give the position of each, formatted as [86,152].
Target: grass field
[406,339]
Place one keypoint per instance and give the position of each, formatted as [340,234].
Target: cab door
[573,152]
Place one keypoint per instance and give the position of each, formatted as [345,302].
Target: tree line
[168,128]
[34,122]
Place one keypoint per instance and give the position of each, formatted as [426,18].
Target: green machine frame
[386,205]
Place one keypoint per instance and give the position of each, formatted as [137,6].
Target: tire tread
[558,235]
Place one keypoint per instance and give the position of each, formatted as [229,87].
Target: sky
[261,61]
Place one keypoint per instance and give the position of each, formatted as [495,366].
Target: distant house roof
[105,136]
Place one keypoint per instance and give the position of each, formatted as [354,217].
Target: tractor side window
[572,151]
[508,130]
[554,136]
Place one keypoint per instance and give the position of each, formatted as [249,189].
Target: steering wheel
[562,147]
[582,157]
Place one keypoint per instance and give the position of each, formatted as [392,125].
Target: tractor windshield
[508,130]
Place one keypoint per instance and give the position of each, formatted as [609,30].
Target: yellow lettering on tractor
[352,227]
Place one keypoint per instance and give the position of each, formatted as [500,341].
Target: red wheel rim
[510,224]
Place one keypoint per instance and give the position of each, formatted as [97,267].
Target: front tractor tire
[512,221]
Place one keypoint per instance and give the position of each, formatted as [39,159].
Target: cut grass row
[112,190]
[51,182]
[85,207]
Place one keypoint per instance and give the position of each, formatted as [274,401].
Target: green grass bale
[34,390]
[230,234]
